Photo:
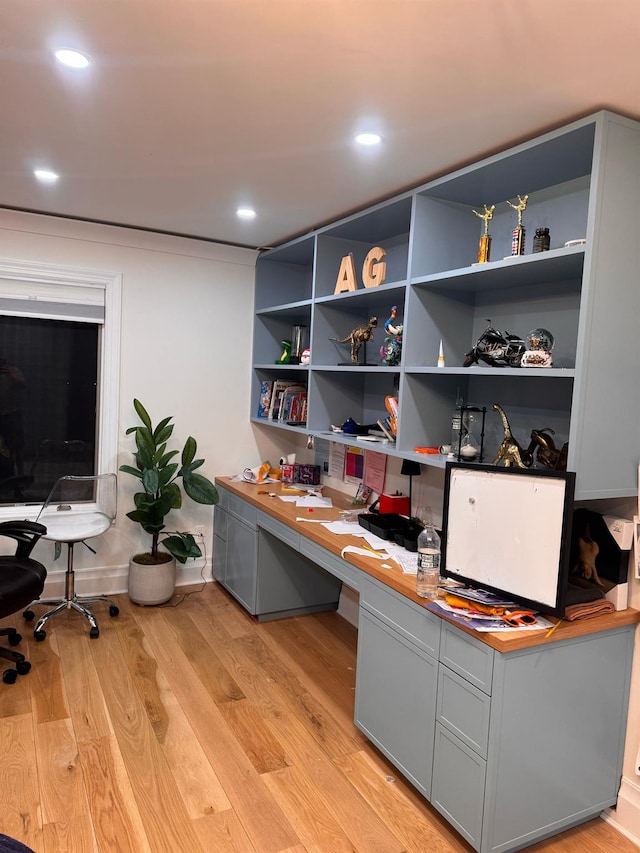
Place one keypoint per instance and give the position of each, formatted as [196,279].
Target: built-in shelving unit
[582,181]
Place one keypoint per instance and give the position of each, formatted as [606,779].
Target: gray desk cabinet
[258,560]
[510,748]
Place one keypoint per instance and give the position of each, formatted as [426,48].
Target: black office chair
[21,580]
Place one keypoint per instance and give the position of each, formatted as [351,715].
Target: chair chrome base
[81,603]
[75,603]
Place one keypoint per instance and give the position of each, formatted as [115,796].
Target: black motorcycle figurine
[497,349]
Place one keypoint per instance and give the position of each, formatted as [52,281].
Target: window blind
[53,301]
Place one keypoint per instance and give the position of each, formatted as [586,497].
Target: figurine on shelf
[285,358]
[543,448]
[518,234]
[357,337]
[495,348]
[540,346]
[391,349]
[510,452]
[305,358]
[484,247]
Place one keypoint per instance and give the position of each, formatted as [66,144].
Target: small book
[266,389]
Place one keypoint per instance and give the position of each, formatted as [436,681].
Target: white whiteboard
[504,530]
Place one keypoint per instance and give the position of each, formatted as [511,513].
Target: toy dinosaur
[509,452]
[358,336]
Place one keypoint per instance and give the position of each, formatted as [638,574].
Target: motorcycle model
[497,349]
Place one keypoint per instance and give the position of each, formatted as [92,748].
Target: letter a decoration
[346,276]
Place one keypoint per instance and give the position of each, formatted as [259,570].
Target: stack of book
[284,401]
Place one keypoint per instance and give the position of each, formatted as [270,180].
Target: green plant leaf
[166,473]
[158,430]
[161,436]
[200,489]
[142,413]
[182,546]
[166,458]
[128,469]
[189,451]
[173,494]
[151,481]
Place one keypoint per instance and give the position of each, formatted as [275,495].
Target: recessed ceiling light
[245,213]
[72,58]
[46,176]
[368,139]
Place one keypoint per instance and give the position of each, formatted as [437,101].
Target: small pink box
[288,472]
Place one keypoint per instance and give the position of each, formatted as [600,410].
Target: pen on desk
[551,630]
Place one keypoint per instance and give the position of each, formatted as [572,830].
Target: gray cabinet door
[242,562]
[396,687]
[458,785]
[556,738]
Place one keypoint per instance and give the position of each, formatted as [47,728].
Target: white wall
[185,351]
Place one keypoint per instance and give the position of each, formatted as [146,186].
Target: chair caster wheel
[113,610]
[94,633]
[14,639]
[39,636]
[28,615]
[9,676]
[23,667]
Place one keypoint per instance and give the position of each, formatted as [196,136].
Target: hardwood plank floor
[193,728]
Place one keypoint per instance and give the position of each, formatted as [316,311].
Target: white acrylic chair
[77,509]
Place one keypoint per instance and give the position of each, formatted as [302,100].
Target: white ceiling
[195,107]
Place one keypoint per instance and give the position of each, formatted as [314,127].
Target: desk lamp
[410,469]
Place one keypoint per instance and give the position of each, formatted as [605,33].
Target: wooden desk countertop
[287,512]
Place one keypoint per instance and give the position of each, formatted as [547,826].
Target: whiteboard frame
[508,530]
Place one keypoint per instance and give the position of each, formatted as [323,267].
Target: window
[59,366]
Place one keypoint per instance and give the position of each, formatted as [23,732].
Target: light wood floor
[192,728]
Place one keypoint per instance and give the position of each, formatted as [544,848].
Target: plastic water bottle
[428,576]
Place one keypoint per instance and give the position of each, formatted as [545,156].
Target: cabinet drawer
[279,530]
[408,619]
[220,522]
[335,565]
[238,507]
[463,709]
[457,788]
[467,656]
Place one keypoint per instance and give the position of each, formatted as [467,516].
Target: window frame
[53,275]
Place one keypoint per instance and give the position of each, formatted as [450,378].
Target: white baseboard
[111,580]
[625,817]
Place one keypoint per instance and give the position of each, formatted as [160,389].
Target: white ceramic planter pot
[151,584]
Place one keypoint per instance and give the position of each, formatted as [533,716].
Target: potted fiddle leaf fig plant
[152,574]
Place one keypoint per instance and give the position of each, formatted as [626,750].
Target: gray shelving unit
[583,181]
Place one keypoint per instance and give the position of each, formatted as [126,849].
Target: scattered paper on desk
[484,622]
[540,623]
[365,552]
[313,501]
[376,542]
[351,528]
[310,520]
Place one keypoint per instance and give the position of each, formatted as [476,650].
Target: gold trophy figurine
[484,247]
[517,237]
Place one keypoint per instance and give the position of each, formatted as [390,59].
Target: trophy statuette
[484,247]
